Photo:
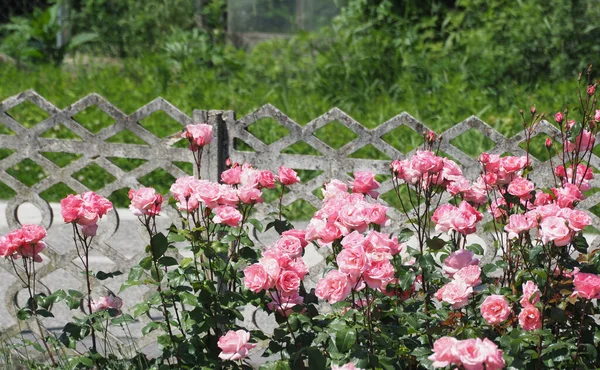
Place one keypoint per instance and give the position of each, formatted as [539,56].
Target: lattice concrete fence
[60,258]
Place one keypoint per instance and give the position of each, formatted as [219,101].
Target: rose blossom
[234,345]
[107,302]
[529,318]
[495,309]
[470,275]
[466,218]
[287,176]
[145,201]
[443,216]
[256,278]
[587,285]
[494,359]
[352,261]
[198,135]
[266,179]
[334,287]
[232,176]
[554,229]
[426,162]
[288,283]
[289,245]
[227,215]
[456,293]
[444,352]
[471,353]
[378,273]
[531,294]
[299,234]
[577,220]
[365,183]
[521,187]
[459,259]
[519,223]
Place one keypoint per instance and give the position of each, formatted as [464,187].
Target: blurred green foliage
[439,60]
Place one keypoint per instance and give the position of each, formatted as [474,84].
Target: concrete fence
[120,243]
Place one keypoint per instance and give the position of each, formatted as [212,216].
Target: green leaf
[345,339]
[80,39]
[405,234]
[175,237]
[476,248]
[316,360]
[436,243]
[159,244]
[150,327]
[257,225]
[167,261]
[489,268]
[140,309]
[125,318]
[24,314]
[44,313]
[101,275]
[278,365]
[581,244]
[86,361]
[248,253]
[280,226]
[145,263]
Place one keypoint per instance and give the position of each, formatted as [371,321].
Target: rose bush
[421,296]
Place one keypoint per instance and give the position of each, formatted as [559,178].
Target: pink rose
[70,207]
[554,229]
[376,214]
[444,352]
[249,195]
[566,195]
[288,283]
[207,192]
[198,135]
[145,201]
[521,188]
[511,164]
[298,267]
[577,220]
[587,285]
[495,309]
[287,176]
[426,162]
[232,176]
[378,273]
[597,115]
[456,293]
[558,117]
[365,183]
[234,345]
[443,217]
[107,302]
[352,261]
[289,245]
[470,275]
[531,294]
[472,353]
[266,179]
[494,359]
[227,215]
[31,233]
[519,223]
[256,278]
[334,287]
[459,259]
[299,234]
[490,162]
[529,318]
[466,218]
[228,195]
[182,190]
[460,185]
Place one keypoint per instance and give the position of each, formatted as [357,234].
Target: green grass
[137,82]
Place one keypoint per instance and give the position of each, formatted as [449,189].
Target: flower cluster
[280,271]
[85,210]
[343,212]
[466,273]
[425,168]
[462,219]
[470,354]
[587,285]
[530,317]
[25,242]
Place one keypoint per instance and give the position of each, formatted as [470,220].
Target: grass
[138,82]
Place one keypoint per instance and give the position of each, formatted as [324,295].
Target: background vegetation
[439,60]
